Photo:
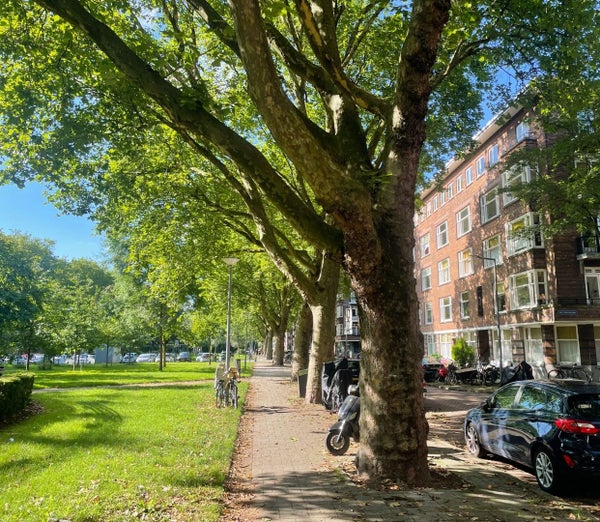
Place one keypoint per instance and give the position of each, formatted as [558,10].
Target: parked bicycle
[226,387]
[569,372]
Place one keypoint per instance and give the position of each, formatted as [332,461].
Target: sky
[27,211]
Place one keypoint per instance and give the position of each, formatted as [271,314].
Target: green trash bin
[302,380]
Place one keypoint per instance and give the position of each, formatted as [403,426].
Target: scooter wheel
[337,443]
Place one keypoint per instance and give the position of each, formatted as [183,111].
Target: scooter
[346,427]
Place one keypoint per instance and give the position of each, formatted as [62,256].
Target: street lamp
[496,308]
[229,261]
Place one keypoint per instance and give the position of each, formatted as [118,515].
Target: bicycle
[220,394]
[450,377]
[569,372]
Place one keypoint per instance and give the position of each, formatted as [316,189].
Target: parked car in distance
[129,357]
[169,357]
[184,356]
[203,357]
[551,427]
[146,357]
[431,370]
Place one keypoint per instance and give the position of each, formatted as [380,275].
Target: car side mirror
[486,405]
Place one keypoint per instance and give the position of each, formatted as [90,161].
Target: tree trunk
[278,347]
[392,404]
[323,312]
[268,349]
[302,340]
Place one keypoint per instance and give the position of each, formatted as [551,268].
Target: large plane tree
[327,110]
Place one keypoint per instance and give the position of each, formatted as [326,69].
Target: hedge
[15,393]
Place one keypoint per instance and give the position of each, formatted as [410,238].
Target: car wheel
[546,472]
[472,440]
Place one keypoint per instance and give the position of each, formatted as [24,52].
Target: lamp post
[496,308]
[229,261]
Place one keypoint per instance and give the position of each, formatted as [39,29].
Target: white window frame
[428,206]
[428,313]
[511,177]
[492,249]
[468,176]
[493,155]
[441,234]
[445,309]
[426,278]
[517,243]
[480,166]
[463,221]
[436,203]
[465,312]
[567,346]
[489,204]
[444,271]
[527,289]
[450,190]
[465,262]
[459,184]
[522,131]
[425,245]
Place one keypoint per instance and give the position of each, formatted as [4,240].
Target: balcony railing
[588,246]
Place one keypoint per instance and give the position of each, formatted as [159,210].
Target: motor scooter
[346,427]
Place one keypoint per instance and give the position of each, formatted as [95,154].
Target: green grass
[116,374]
[119,454]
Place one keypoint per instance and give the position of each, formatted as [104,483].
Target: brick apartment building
[546,291]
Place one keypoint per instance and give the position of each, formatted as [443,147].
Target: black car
[552,427]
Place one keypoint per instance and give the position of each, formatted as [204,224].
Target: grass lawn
[119,454]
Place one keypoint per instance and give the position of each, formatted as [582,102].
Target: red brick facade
[545,312]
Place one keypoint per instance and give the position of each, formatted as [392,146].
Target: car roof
[568,385]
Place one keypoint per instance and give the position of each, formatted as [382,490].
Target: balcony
[588,247]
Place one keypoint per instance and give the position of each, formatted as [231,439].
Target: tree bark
[302,340]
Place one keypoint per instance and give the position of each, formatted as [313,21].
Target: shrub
[15,392]
[462,353]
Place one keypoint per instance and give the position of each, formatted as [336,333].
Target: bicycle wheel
[556,373]
[581,374]
[233,395]
[219,395]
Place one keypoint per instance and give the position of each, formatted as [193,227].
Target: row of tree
[55,306]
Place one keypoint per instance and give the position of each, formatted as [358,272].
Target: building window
[464,305]
[424,245]
[480,166]
[444,271]
[429,340]
[459,184]
[445,342]
[490,206]
[450,191]
[523,234]
[465,263]
[493,155]
[512,178]
[443,197]
[442,234]
[501,297]
[445,309]
[567,345]
[469,176]
[428,209]
[522,131]
[428,313]
[436,203]
[426,278]
[492,249]
[527,289]
[463,222]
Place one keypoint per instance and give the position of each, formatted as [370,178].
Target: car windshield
[585,406]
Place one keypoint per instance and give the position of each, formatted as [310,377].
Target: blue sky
[26,210]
